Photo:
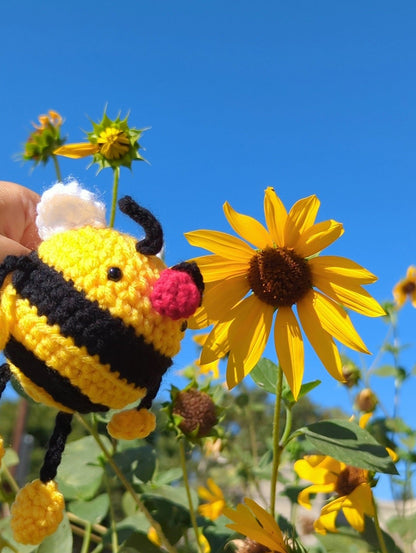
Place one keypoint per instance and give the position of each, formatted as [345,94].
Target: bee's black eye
[114,273]
[184,326]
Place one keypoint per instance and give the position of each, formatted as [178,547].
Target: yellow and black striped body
[78,339]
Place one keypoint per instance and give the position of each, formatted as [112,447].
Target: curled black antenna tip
[153,241]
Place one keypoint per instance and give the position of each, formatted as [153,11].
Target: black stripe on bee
[115,343]
[57,386]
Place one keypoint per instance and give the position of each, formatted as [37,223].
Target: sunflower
[44,139]
[246,287]
[253,521]
[406,288]
[112,143]
[215,502]
[351,484]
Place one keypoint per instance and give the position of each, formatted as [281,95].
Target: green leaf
[79,474]
[136,461]
[168,476]
[10,458]
[60,541]
[304,390]
[139,542]
[93,511]
[264,375]
[347,442]
[175,494]
[385,370]
[7,543]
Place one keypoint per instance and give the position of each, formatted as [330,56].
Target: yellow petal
[276,215]
[354,297]
[336,268]
[77,150]
[303,496]
[301,217]
[216,490]
[358,503]
[289,348]
[364,419]
[266,520]
[248,228]
[217,344]
[248,336]
[318,469]
[221,243]
[199,319]
[220,297]
[317,238]
[326,522]
[319,338]
[336,322]
[214,267]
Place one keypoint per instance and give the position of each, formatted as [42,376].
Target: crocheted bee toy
[89,322]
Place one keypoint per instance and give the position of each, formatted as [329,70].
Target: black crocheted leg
[5,375]
[56,447]
[146,402]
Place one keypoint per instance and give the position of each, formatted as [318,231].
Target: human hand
[18,232]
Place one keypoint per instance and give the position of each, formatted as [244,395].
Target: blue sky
[307,97]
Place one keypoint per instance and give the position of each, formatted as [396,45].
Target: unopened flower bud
[366,400]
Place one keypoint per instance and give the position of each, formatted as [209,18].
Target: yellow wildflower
[246,286]
[112,143]
[45,139]
[351,484]
[256,523]
[215,502]
[406,288]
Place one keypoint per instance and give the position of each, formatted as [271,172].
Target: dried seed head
[197,410]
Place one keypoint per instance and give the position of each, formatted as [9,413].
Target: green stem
[188,493]
[379,532]
[114,539]
[166,543]
[8,475]
[87,538]
[276,445]
[287,429]
[114,198]
[57,168]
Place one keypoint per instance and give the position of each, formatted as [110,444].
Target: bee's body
[90,322]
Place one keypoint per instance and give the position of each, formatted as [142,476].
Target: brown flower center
[349,479]
[409,287]
[279,277]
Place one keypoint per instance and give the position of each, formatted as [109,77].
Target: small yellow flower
[351,484]
[112,143]
[246,287]
[215,502]
[406,288]
[207,368]
[256,523]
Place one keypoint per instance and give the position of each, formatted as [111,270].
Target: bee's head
[127,278]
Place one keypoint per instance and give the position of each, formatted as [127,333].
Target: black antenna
[153,241]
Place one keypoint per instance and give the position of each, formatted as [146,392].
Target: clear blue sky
[308,97]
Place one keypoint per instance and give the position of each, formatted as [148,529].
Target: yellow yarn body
[85,255]
[60,353]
